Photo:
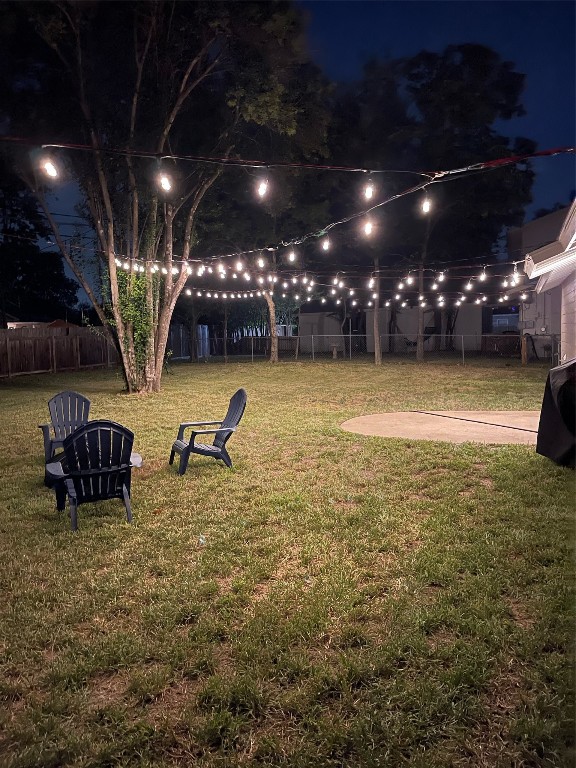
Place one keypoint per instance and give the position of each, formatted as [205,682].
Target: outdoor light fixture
[368,227]
[291,256]
[325,244]
[482,276]
[263,187]
[426,206]
[369,191]
[260,263]
[49,168]
[164,182]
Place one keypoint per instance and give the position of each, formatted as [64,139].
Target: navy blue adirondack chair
[225,430]
[68,411]
[96,466]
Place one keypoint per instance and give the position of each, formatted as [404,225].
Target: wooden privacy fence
[50,350]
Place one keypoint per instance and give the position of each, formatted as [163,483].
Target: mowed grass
[333,600]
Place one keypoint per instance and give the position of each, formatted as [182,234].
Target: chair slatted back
[68,411]
[233,416]
[98,459]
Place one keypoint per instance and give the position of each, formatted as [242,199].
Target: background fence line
[355,347]
[51,350]
[40,350]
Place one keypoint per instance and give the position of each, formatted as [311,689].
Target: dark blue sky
[539,37]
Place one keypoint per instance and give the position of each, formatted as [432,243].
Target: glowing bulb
[482,276]
[223,275]
[523,296]
[403,304]
[246,276]
[426,206]
[188,292]
[371,283]
[239,266]
[164,182]
[369,303]
[326,244]
[368,228]
[341,284]
[291,256]
[263,187]
[50,169]
[386,303]
[434,286]
[441,277]
[468,286]
[323,301]
[397,297]
[261,263]
[369,191]
[409,280]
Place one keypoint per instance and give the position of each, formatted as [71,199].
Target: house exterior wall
[568,319]
[324,327]
[541,316]
[468,324]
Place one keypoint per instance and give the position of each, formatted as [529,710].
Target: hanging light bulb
[49,167]
[325,244]
[441,277]
[246,276]
[239,266]
[371,283]
[468,286]
[434,286]
[291,256]
[188,292]
[400,286]
[426,205]
[263,187]
[523,296]
[369,191]
[409,280]
[368,227]
[260,263]
[482,276]
[164,181]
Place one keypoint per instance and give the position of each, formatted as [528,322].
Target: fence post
[53,352]
[312,338]
[9,356]
[463,360]
[252,346]
[77,351]
[350,340]
[523,350]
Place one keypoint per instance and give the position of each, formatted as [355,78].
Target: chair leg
[171,461]
[226,458]
[60,490]
[183,462]
[126,495]
[73,513]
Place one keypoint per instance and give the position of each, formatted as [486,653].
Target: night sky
[539,37]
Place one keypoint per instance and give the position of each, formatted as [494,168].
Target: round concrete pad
[451,426]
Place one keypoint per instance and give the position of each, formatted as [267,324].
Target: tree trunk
[225,333]
[376,316]
[273,330]
[420,336]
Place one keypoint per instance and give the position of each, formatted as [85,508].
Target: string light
[263,187]
[368,227]
[426,205]
[49,168]
[369,191]
[325,244]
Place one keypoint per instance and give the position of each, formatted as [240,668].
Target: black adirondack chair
[68,411]
[96,466]
[221,435]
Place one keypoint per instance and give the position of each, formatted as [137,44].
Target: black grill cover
[557,428]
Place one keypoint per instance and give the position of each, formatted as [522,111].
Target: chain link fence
[358,348]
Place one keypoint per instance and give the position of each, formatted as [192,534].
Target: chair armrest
[47,441]
[209,432]
[185,424]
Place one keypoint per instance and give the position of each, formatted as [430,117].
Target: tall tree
[139,81]
[435,111]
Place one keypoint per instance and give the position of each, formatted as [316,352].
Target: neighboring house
[548,246]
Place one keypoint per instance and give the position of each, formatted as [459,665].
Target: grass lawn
[333,600]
